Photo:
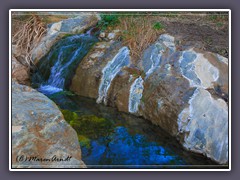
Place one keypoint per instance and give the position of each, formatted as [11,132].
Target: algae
[88,126]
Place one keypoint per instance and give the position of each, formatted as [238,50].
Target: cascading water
[58,66]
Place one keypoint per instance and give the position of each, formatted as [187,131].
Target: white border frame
[119,10]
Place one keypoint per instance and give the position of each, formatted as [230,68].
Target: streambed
[108,138]
[112,139]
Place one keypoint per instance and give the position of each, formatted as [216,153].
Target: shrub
[108,20]
[158,26]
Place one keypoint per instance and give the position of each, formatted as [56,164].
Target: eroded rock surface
[183,90]
[19,72]
[39,130]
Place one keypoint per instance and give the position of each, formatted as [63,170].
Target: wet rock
[39,130]
[57,30]
[19,72]
[164,91]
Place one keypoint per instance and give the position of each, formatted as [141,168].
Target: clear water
[56,69]
[130,141]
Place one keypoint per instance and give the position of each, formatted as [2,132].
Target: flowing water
[56,69]
[108,138]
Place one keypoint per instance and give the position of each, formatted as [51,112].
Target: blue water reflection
[129,142]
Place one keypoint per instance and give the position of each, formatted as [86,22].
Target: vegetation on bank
[140,29]
[137,29]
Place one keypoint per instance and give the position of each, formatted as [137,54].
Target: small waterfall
[135,95]
[63,60]
[110,71]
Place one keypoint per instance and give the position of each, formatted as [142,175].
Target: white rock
[102,35]
[111,36]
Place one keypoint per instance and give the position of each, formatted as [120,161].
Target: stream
[108,138]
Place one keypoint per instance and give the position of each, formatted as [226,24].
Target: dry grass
[28,35]
[138,32]
[27,30]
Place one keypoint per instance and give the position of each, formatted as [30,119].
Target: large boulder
[87,78]
[182,89]
[41,138]
[186,94]
[58,30]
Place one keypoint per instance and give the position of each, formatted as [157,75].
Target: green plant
[158,26]
[219,24]
[108,20]
[69,115]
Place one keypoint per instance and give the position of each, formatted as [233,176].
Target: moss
[84,141]
[91,126]
[69,115]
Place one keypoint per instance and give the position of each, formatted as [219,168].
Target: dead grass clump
[138,32]
[28,36]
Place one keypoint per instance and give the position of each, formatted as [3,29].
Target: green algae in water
[88,126]
[84,141]
[69,115]
[92,126]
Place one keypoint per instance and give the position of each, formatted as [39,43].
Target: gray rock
[111,36]
[40,131]
[183,92]
[206,123]
[102,35]
[19,72]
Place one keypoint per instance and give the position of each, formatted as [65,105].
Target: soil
[200,32]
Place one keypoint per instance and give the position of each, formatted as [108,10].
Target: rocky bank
[41,138]
[184,90]
[39,133]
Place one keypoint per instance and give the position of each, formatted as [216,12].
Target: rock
[183,92]
[97,54]
[87,78]
[205,122]
[40,132]
[111,36]
[102,35]
[57,30]
[113,67]
[186,93]
[19,72]
[116,31]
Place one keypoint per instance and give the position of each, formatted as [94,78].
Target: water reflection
[127,142]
